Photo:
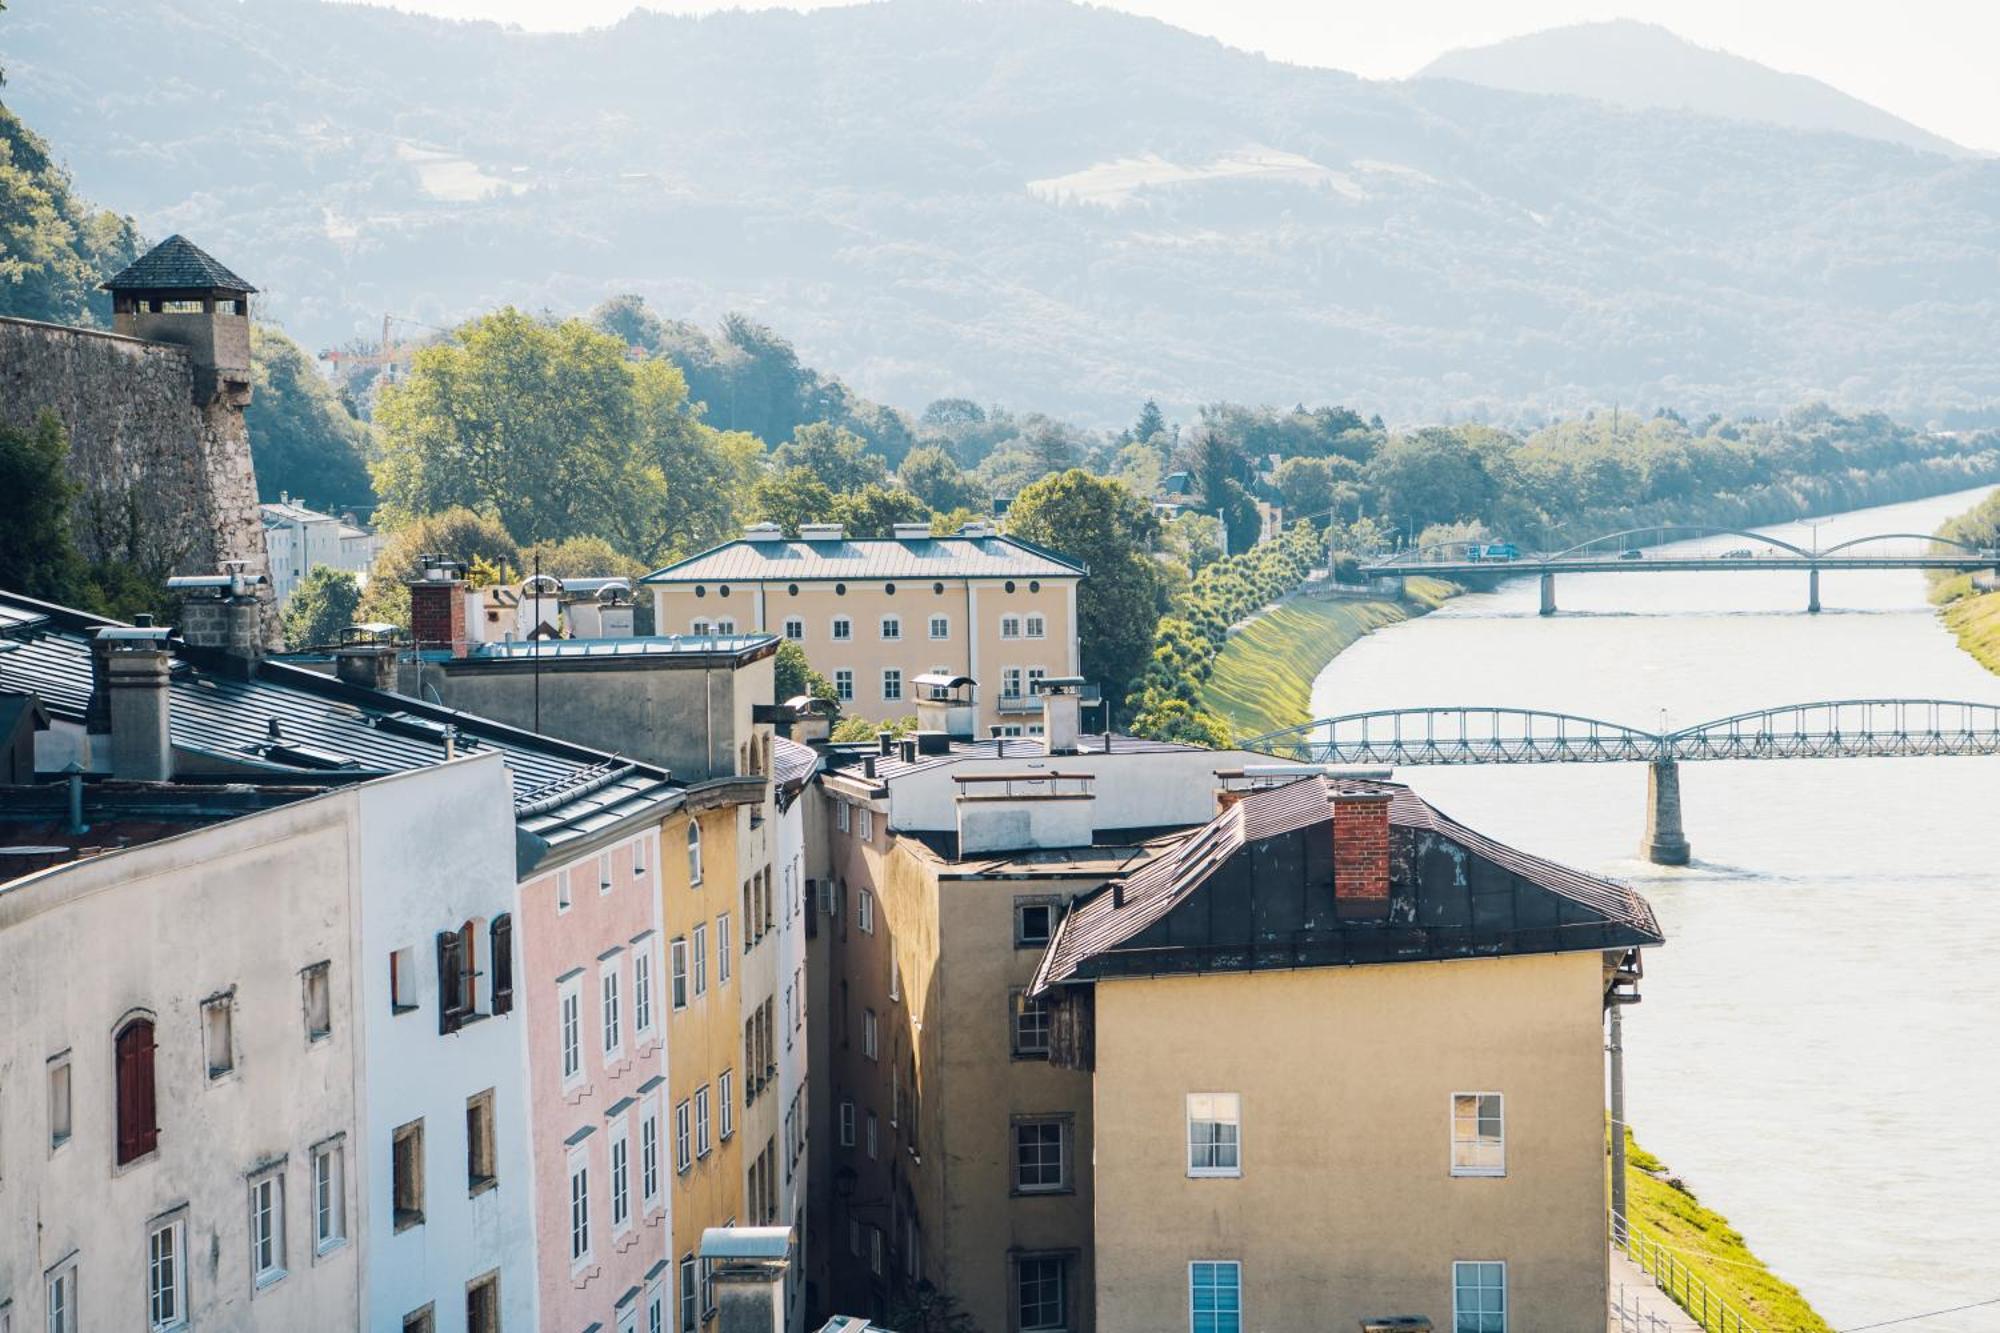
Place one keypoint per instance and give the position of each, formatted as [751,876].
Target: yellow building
[872,615]
[1347,1064]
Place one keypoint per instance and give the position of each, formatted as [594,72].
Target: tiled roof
[175,264]
[1100,925]
[915,560]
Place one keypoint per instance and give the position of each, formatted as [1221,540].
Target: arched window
[138,1120]
[694,852]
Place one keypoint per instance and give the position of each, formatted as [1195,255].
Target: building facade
[298,540]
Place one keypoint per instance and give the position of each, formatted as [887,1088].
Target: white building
[297,540]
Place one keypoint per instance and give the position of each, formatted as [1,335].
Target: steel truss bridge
[1828,729]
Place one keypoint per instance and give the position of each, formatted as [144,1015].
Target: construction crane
[388,355]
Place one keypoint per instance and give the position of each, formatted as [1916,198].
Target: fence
[1678,1281]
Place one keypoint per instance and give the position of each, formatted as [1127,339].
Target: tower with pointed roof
[178,293]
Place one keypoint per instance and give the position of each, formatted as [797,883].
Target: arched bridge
[1833,728]
[1734,550]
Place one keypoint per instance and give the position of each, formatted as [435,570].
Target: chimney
[885,741]
[1360,854]
[1062,714]
[763,532]
[437,605]
[822,532]
[367,657]
[976,528]
[749,1267]
[911,532]
[135,664]
[220,613]
[907,749]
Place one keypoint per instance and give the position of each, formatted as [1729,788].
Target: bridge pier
[1388,585]
[1666,844]
[1548,594]
[1812,592]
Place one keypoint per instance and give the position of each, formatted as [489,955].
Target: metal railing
[1682,1284]
[1629,1318]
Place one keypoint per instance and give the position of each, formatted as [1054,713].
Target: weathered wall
[151,462]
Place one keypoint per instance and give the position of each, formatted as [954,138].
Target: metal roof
[297,513]
[791,762]
[655,645]
[892,765]
[773,1243]
[289,720]
[913,559]
[175,264]
[1100,924]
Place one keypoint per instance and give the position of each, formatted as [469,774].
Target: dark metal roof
[175,264]
[1101,936]
[791,762]
[289,720]
[913,559]
[652,645]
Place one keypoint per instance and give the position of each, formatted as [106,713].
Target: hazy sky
[1929,61]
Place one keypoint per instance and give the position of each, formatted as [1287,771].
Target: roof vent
[912,532]
[763,532]
[822,532]
[976,528]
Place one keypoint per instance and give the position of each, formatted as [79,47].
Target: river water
[1817,1053]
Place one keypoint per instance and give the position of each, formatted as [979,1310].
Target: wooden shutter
[138,1130]
[503,963]
[451,1005]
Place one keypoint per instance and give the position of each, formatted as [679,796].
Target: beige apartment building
[874,614]
[1347,1065]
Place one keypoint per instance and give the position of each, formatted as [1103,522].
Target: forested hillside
[1036,203]
[54,248]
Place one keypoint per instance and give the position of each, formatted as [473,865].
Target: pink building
[593,991]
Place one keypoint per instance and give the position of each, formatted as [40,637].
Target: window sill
[1478,1173]
[1033,1057]
[1018,1193]
[483,1185]
[265,1281]
[407,1220]
[330,1248]
[398,1010]
[1215,1173]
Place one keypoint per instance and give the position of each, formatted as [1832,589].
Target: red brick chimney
[437,605]
[1360,855]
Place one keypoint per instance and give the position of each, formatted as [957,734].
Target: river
[1816,1053]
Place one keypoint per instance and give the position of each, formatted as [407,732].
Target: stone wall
[164,479]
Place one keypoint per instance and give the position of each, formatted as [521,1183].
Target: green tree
[874,511]
[1151,422]
[793,675]
[705,475]
[1429,476]
[836,456]
[1102,525]
[54,248]
[1306,487]
[38,554]
[933,476]
[303,440]
[326,602]
[790,497]
[459,533]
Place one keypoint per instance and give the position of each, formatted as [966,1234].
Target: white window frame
[645,1014]
[842,629]
[1063,1276]
[1010,627]
[581,1242]
[726,625]
[59,1287]
[891,629]
[864,907]
[847,1124]
[1010,682]
[892,684]
[843,684]
[175,1289]
[698,627]
[869,1042]
[329,1196]
[569,1026]
[866,831]
[1237,1265]
[618,1159]
[874,1135]
[678,953]
[610,1016]
[1456,1316]
[1065,1155]
[703,1144]
[563,896]
[1216,1103]
[267,1208]
[640,846]
[895,984]
[722,960]
[698,958]
[795,629]
[1036,627]
[725,1095]
[603,873]
[694,853]
[683,1137]
[652,1153]
[940,628]
[1468,1150]
[841,817]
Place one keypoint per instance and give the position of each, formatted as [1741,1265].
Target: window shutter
[450,1004]
[138,1132]
[503,963]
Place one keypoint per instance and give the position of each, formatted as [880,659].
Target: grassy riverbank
[1662,1209]
[1264,675]
[1972,615]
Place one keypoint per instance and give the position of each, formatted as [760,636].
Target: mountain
[1642,65]
[1059,206]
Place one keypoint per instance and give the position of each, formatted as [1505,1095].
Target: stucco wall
[794,1058]
[1135,789]
[1346,1206]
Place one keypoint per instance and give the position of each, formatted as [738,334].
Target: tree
[1102,525]
[326,602]
[794,675]
[705,475]
[303,440]
[626,318]
[1429,476]
[934,477]
[874,511]
[790,497]
[834,455]
[458,533]
[1150,423]
[38,554]
[1306,486]
[54,248]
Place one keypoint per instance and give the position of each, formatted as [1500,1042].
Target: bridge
[1828,729]
[1626,553]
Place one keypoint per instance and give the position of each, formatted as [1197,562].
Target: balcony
[1019,703]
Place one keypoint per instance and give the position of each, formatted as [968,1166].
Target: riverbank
[1971,613]
[1264,674]
[1661,1209]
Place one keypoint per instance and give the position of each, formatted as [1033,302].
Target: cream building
[872,615]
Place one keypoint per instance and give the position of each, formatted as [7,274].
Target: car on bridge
[1497,551]
[1740,553]
[1631,553]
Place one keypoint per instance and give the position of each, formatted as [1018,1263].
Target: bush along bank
[1971,606]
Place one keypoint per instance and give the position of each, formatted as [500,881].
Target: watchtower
[177,293]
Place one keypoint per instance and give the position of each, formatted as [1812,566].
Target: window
[59,1101]
[843,628]
[166,1276]
[892,683]
[1037,628]
[656,1310]
[579,1208]
[1215,1134]
[614,1033]
[479,1155]
[847,1124]
[454,970]
[1010,682]
[562,892]
[329,1186]
[868,1033]
[722,961]
[621,1177]
[678,953]
[795,630]
[683,1137]
[1010,627]
[841,811]
[864,911]
[701,1123]
[725,626]
[1039,1294]
[62,1298]
[1041,1155]
[649,1156]
[603,873]
[690,1312]
[699,628]
[570,1007]
[420,1321]
[218,1036]
[700,951]
[318,1001]
[843,685]
[725,1089]
[1036,675]
[407,1176]
[874,1135]
[267,1228]
[694,853]
[895,983]
[482,1304]
[402,981]
[1215,1296]
[940,627]
[1478,1135]
[1479,1298]
[138,1126]
[501,934]
[1034,922]
[866,828]
[1031,1027]
[892,627]
[875,1251]
[639,858]
[642,988]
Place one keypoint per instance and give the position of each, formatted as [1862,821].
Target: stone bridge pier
[1812,592]
[1548,594]
[1666,843]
